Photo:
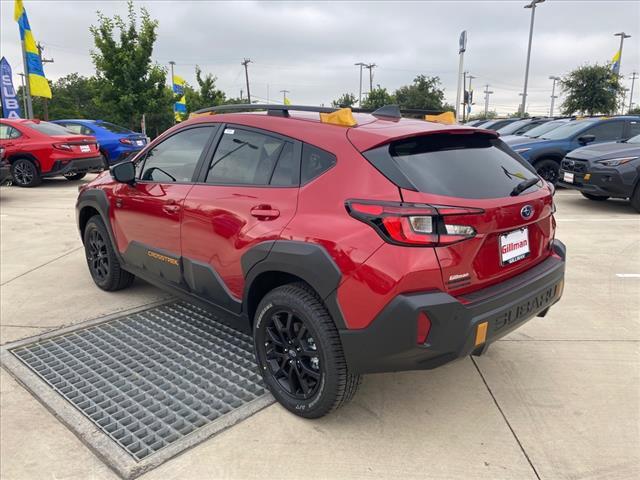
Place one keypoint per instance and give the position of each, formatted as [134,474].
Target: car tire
[105,160]
[595,198]
[548,169]
[635,198]
[103,263]
[24,173]
[75,176]
[299,352]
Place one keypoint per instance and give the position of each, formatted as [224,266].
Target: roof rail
[280,110]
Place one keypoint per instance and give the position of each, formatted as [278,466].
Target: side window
[286,171]
[73,127]
[176,158]
[244,157]
[607,131]
[314,162]
[634,128]
[7,132]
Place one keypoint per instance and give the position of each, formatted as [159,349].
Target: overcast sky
[309,48]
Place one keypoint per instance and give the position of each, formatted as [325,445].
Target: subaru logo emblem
[526,212]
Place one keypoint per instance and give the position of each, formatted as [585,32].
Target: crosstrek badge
[514,246]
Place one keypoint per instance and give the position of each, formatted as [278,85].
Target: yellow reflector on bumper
[481,333]
[448,118]
[587,177]
[342,117]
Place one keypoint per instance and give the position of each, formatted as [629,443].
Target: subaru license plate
[514,246]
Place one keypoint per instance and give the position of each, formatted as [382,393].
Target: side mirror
[586,139]
[124,172]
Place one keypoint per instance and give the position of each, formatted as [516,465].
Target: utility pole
[462,48]
[246,62]
[471,77]
[487,92]
[634,75]
[532,6]
[370,66]
[553,93]
[284,96]
[172,63]
[360,64]
[622,36]
[24,94]
[45,104]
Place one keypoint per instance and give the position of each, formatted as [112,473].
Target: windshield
[568,130]
[114,128]
[512,127]
[535,132]
[49,128]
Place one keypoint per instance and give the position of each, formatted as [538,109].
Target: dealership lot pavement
[558,398]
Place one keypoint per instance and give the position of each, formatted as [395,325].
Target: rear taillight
[126,141]
[63,146]
[414,224]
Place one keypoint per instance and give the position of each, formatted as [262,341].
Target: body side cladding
[307,261]
[96,199]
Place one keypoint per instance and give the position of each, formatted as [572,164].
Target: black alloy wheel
[98,256]
[25,173]
[292,354]
[549,170]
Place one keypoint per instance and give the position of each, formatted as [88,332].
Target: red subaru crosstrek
[345,244]
[37,149]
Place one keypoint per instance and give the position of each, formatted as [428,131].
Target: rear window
[464,166]
[48,128]
[114,128]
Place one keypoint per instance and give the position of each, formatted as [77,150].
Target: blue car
[547,151]
[116,142]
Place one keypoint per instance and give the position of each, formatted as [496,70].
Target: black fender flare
[307,261]
[96,199]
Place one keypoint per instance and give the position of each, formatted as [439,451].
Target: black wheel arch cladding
[309,262]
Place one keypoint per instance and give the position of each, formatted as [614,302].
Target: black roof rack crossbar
[280,110]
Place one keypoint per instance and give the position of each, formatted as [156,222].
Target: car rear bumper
[389,343]
[81,165]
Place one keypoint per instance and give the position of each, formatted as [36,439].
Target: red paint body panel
[40,146]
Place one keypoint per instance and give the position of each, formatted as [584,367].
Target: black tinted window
[114,128]
[314,162]
[48,128]
[7,132]
[77,128]
[244,157]
[468,166]
[606,131]
[286,171]
[175,159]
[634,128]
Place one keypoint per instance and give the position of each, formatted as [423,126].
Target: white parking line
[628,275]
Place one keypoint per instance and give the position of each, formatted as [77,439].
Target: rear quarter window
[315,162]
[464,166]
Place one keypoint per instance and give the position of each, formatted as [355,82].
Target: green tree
[424,93]
[481,116]
[591,89]
[378,97]
[206,94]
[634,111]
[130,84]
[345,100]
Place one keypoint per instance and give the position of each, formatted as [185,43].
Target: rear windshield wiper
[522,186]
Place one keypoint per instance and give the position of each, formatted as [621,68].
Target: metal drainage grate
[150,378]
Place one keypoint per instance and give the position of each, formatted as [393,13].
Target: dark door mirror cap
[124,172]
[586,139]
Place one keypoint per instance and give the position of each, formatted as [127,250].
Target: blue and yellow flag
[615,63]
[37,82]
[180,107]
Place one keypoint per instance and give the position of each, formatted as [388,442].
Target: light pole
[622,35]
[360,64]
[532,6]
[553,93]
[634,75]
[487,92]
[370,67]
[461,49]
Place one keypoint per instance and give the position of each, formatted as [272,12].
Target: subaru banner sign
[10,103]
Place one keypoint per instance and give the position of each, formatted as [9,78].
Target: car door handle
[265,212]
[171,206]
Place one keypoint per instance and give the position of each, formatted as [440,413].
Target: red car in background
[37,149]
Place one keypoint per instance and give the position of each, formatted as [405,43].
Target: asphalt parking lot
[557,399]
